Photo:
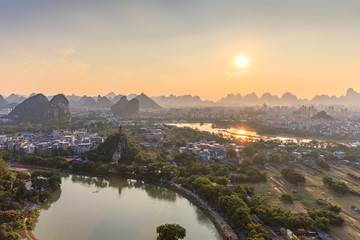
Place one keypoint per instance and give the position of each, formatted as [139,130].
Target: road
[218,218]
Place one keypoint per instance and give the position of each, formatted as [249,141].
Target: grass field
[305,195]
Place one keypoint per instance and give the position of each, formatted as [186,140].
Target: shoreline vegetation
[208,179]
[168,185]
[278,131]
[19,204]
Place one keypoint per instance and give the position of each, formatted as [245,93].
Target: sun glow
[242,61]
[241,134]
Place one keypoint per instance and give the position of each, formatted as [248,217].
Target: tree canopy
[170,232]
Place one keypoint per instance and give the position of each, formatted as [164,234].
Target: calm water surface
[207,127]
[121,209]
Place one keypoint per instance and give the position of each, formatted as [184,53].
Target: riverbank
[215,217]
[221,225]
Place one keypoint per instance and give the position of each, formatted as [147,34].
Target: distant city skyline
[167,95]
[180,47]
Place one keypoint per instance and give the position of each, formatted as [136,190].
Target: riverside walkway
[220,222]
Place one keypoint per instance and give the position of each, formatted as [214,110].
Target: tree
[275,158]
[292,175]
[231,153]
[228,204]
[257,232]
[248,151]
[328,181]
[10,216]
[169,172]
[259,158]
[323,164]
[185,158]
[286,198]
[170,232]
[241,216]
[330,157]
[322,223]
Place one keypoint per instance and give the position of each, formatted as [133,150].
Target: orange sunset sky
[179,47]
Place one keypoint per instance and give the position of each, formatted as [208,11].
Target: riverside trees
[13,194]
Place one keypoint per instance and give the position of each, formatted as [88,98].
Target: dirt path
[28,233]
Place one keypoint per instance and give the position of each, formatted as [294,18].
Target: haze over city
[179,119]
[179,47]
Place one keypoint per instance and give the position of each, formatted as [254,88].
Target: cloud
[67,51]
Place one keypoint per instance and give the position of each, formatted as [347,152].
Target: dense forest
[14,198]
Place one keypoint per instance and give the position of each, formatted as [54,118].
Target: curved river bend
[93,208]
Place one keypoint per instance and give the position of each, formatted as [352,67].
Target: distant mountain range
[38,108]
[125,108]
[156,103]
[350,98]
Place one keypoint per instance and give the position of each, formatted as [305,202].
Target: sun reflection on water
[242,135]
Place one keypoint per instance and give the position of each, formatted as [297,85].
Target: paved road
[218,218]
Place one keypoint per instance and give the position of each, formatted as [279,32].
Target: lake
[116,208]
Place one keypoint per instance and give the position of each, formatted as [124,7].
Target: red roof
[21,170]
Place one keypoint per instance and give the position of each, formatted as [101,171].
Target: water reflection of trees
[54,197]
[153,191]
[98,182]
[201,217]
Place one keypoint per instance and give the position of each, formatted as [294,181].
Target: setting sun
[242,61]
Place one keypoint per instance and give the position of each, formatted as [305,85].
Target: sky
[163,47]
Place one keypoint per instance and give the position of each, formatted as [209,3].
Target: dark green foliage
[275,216]
[248,173]
[45,180]
[105,150]
[9,216]
[259,158]
[231,153]
[230,202]
[275,158]
[286,198]
[44,161]
[330,157]
[13,193]
[354,176]
[292,175]
[257,232]
[248,151]
[339,186]
[184,158]
[325,217]
[323,164]
[170,232]
[241,216]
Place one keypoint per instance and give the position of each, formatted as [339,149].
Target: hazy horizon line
[179,95]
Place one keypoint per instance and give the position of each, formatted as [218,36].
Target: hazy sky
[160,47]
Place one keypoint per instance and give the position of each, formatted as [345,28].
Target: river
[244,134]
[116,208]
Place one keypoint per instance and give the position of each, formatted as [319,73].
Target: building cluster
[342,121]
[339,121]
[154,133]
[211,150]
[43,144]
